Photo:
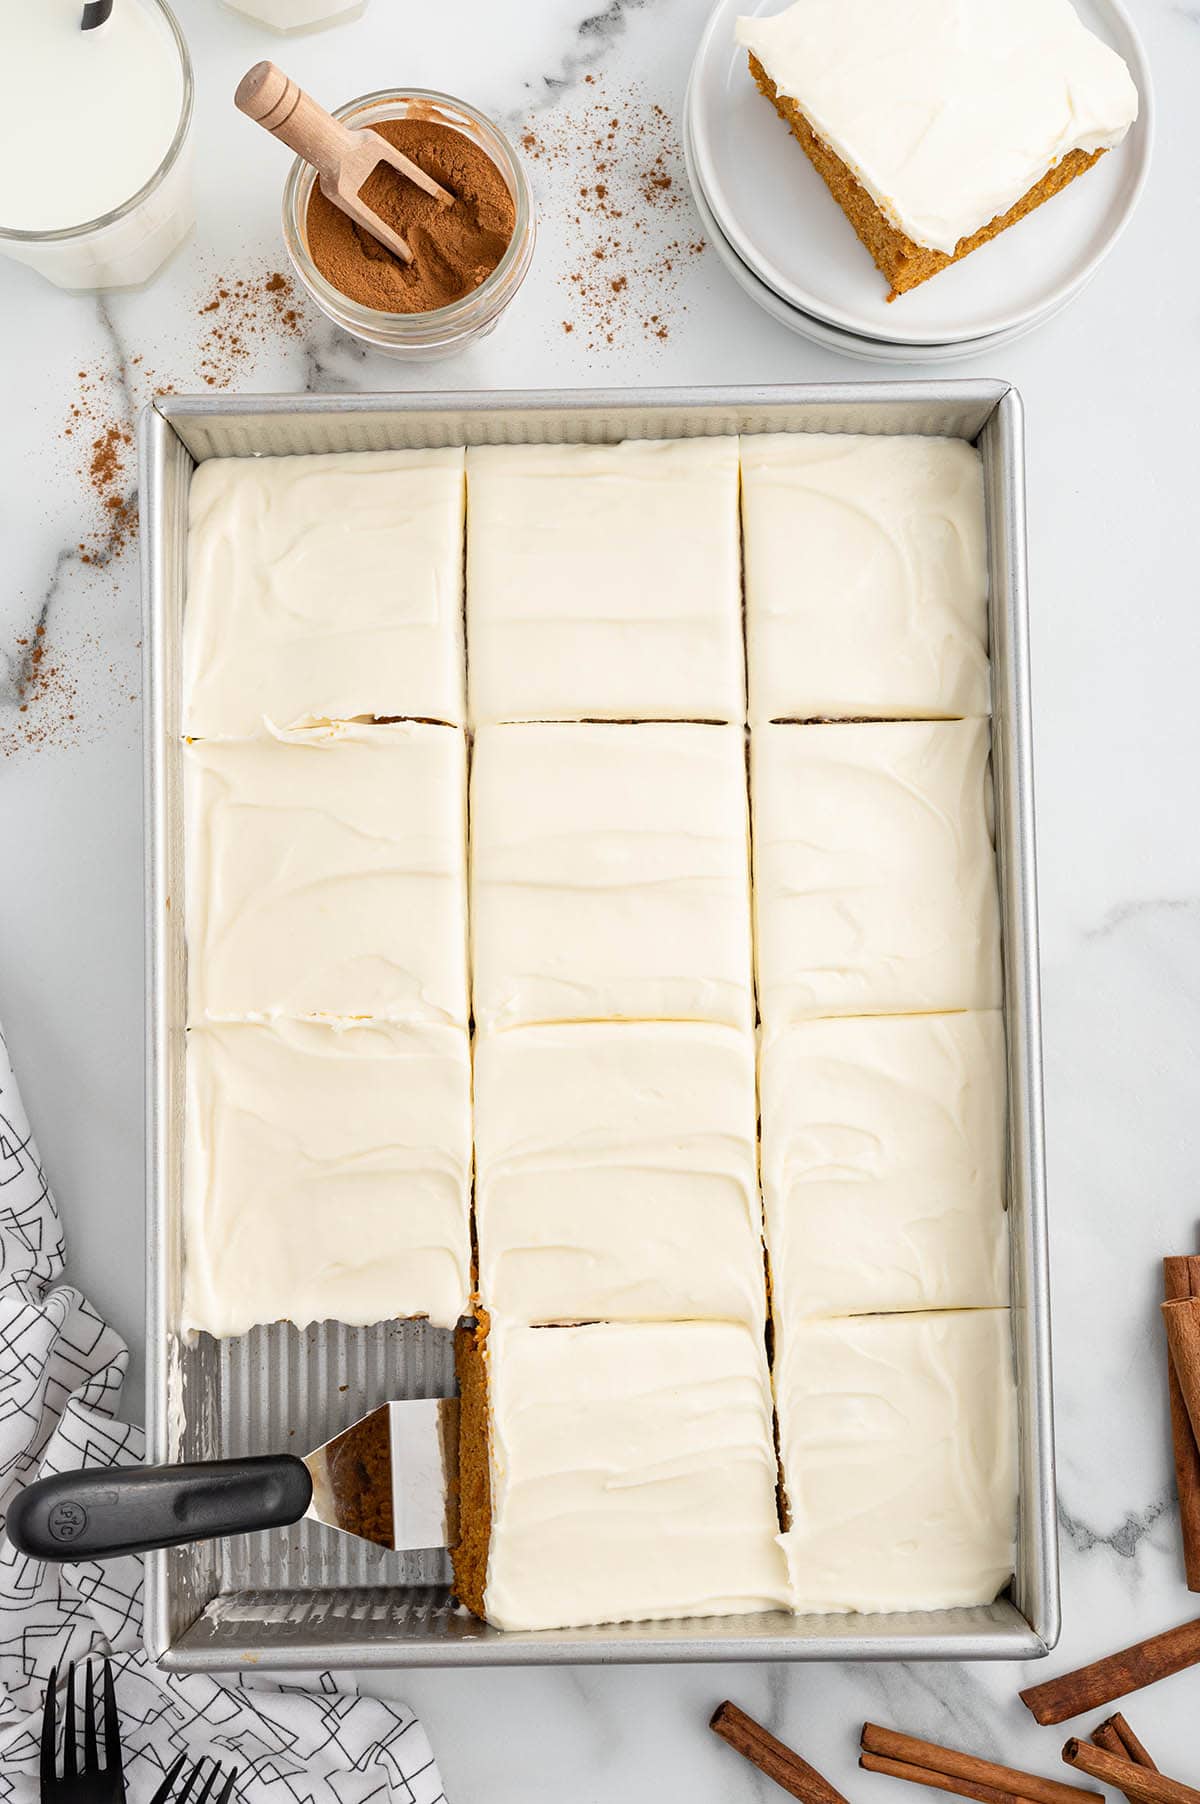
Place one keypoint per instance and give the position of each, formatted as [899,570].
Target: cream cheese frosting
[610,874]
[326,875]
[326,1174]
[875,875]
[866,576]
[898,1441]
[883,1164]
[616,1173]
[633,1475]
[604,582]
[946,111]
[324,588]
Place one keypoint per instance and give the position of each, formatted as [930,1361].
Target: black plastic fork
[172,1773]
[93,1783]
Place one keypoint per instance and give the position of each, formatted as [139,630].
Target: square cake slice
[610,875]
[898,1440]
[883,1163]
[936,127]
[324,588]
[875,875]
[326,1174]
[327,875]
[616,1174]
[604,582]
[866,577]
[617,1473]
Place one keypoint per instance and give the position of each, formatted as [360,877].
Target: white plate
[781,219]
[850,344]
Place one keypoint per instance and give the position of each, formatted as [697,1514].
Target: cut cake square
[883,1164]
[898,1440]
[610,874]
[616,1473]
[875,874]
[937,126]
[604,581]
[866,577]
[326,1174]
[324,588]
[616,1173]
[327,875]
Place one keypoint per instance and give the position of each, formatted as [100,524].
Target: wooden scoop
[343,156]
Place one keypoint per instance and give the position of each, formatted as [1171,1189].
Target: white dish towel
[61,1372]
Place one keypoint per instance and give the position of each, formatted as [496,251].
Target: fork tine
[168,1780]
[112,1726]
[189,1782]
[91,1759]
[49,1763]
[202,1794]
[69,1766]
[226,1791]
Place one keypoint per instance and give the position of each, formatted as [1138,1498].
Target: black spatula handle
[97,1515]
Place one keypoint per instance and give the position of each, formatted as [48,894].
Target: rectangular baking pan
[308,1597]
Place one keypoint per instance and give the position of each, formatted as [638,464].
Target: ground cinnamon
[454,248]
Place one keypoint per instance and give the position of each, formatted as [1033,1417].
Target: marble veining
[1112,390]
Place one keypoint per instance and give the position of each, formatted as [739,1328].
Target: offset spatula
[387,1479]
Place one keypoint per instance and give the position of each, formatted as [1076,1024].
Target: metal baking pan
[308,1597]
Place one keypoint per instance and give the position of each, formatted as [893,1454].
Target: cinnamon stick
[1091,1687]
[1144,1784]
[1116,1737]
[1115,1734]
[923,1775]
[1182,1317]
[928,1763]
[1181,1279]
[772,1757]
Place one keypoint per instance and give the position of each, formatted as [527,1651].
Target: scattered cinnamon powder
[241,315]
[631,228]
[455,248]
[241,318]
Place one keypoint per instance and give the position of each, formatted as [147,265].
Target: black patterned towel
[61,1371]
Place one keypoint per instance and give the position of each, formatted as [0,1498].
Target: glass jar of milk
[95,171]
[298,15]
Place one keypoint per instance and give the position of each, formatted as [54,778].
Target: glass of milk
[298,15]
[95,168]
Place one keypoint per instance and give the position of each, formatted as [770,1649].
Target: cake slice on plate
[937,125]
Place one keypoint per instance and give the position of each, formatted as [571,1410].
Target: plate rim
[822,332]
[841,320]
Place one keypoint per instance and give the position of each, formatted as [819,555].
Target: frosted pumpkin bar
[326,875]
[938,125]
[326,1174]
[866,577]
[875,874]
[616,1473]
[323,588]
[603,581]
[616,1173]
[897,1436]
[883,1164]
[610,874]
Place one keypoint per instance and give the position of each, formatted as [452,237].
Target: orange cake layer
[469,1557]
[904,263]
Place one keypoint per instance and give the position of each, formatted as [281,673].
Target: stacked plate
[785,240]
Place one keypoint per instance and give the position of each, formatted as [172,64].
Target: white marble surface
[1112,389]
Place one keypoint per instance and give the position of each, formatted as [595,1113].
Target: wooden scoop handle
[280,105]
